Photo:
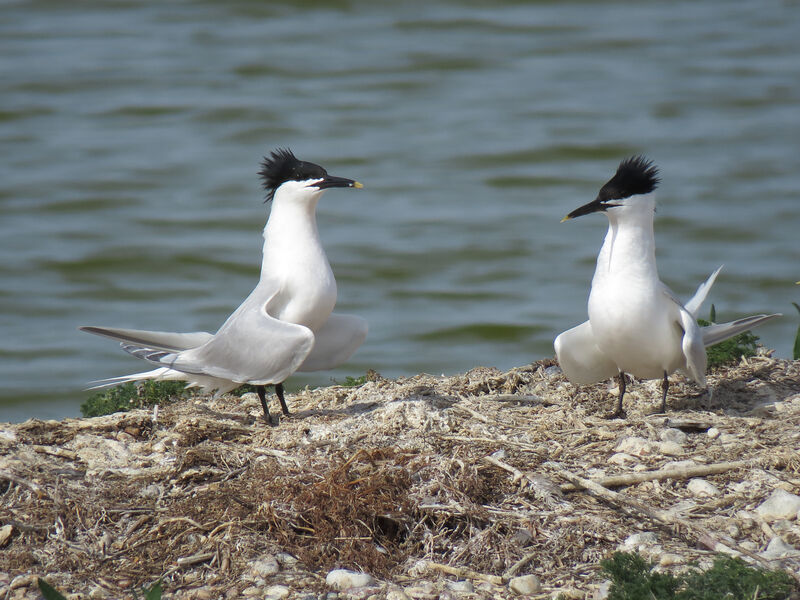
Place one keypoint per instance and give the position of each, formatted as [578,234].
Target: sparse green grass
[352,381]
[732,350]
[129,396]
[632,578]
[50,593]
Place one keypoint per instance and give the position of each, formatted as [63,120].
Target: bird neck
[629,249]
[291,239]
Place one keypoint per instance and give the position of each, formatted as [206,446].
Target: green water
[131,134]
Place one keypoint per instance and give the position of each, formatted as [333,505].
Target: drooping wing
[693,305]
[335,342]
[694,351]
[580,358]
[719,332]
[158,340]
[250,347]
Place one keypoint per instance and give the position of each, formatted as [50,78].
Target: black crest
[635,176]
[282,166]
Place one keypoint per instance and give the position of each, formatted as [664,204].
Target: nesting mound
[430,484]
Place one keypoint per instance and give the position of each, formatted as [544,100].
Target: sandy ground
[436,487]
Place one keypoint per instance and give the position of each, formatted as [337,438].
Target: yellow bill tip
[358,185]
[567,218]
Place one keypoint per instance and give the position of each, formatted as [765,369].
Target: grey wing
[693,305]
[692,346]
[335,342]
[719,332]
[580,358]
[157,340]
[250,347]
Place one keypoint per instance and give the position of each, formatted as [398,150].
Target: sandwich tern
[286,324]
[636,323]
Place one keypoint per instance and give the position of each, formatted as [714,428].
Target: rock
[638,540]
[670,448]
[525,585]
[5,534]
[700,487]
[342,579]
[461,587]
[397,595]
[777,548]
[780,505]
[637,446]
[621,458]
[277,592]
[713,433]
[251,591]
[673,435]
[265,566]
[601,593]
[668,559]
[552,371]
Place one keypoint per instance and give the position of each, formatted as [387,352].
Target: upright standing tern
[285,324]
[636,324]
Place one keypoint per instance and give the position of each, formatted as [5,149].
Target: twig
[465,573]
[193,560]
[513,569]
[671,473]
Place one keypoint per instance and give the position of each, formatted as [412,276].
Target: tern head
[282,170]
[636,176]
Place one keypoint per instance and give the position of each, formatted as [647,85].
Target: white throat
[295,259]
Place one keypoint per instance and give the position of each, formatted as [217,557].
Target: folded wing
[580,358]
[335,342]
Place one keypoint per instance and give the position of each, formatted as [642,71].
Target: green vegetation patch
[633,578]
[130,396]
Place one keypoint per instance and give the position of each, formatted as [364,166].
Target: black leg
[279,393]
[664,388]
[621,379]
[262,395]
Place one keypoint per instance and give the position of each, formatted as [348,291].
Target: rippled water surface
[131,135]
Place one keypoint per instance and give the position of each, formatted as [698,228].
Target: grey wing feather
[250,347]
[160,340]
[719,332]
[693,305]
[335,342]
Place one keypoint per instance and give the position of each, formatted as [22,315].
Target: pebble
[668,559]
[5,534]
[670,448]
[620,458]
[342,579]
[601,593]
[637,540]
[700,487]
[673,435]
[251,591]
[777,548]
[780,505]
[713,433]
[397,595]
[265,566]
[636,446]
[525,585]
[462,587]
[277,592]
[552,371]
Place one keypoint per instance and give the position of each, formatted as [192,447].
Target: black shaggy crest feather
[635,176]
[282,166]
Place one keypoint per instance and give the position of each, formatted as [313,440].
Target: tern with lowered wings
[636,323]
[286,324]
